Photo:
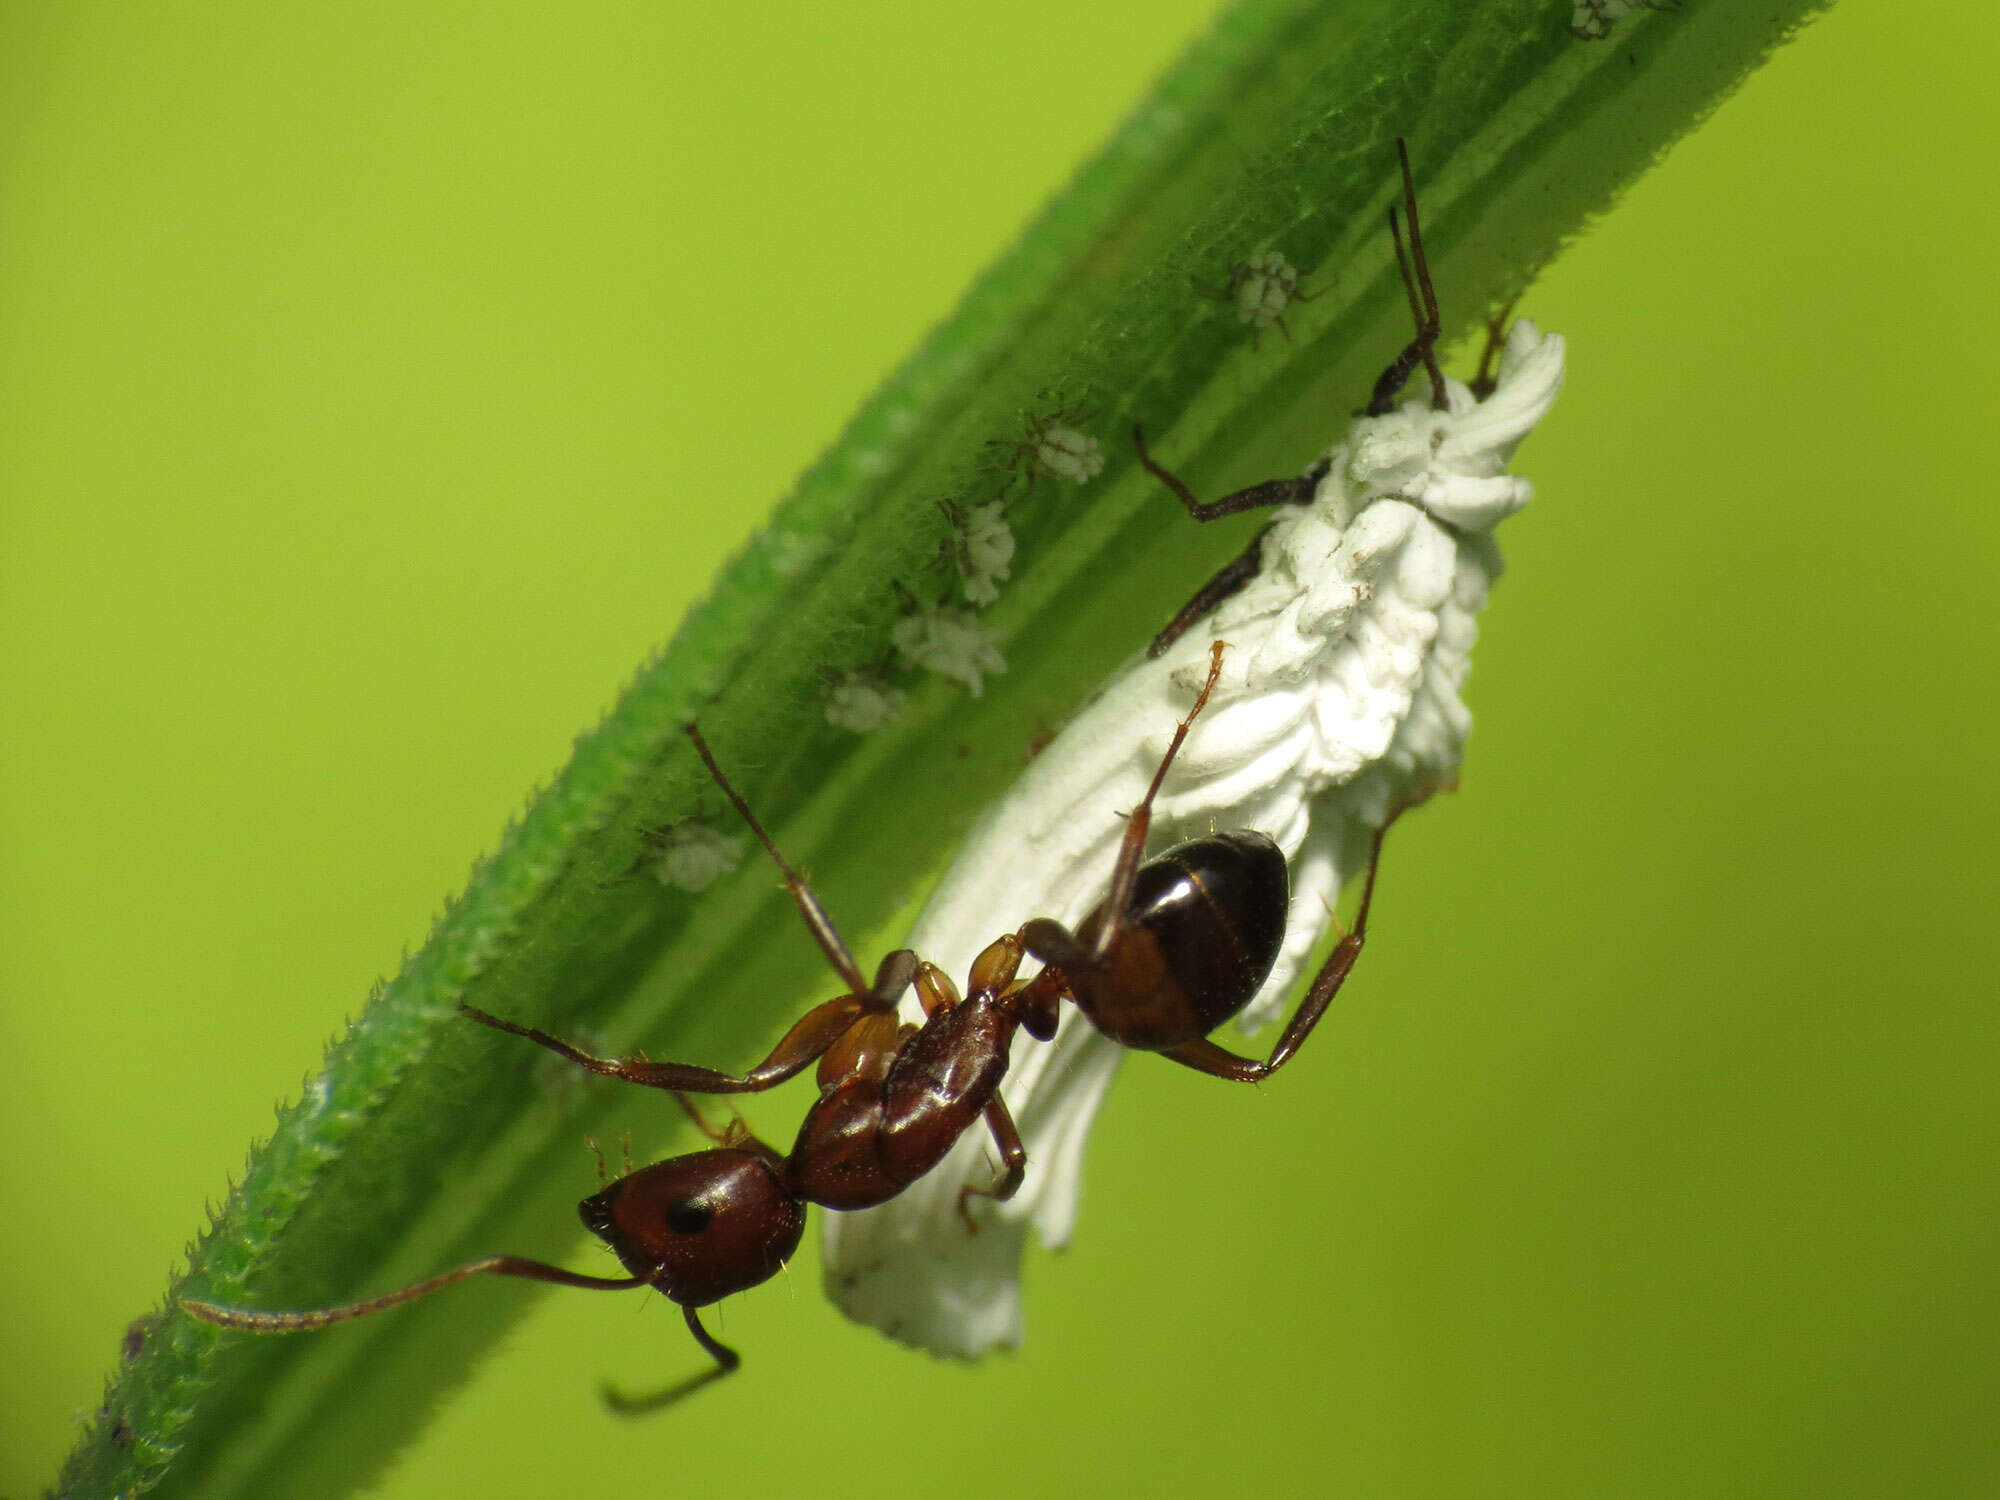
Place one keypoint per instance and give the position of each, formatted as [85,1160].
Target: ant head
[699,1227]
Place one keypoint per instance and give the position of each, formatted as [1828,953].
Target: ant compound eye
[689,1216]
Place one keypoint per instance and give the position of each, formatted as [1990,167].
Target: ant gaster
[1179,945]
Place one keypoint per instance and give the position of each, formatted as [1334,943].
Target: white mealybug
[691,856]
[982,546]
[862,704]
[1262,287]
[1592,20]
[950,642]
[1054,445]
[1350,625]
[1067,453]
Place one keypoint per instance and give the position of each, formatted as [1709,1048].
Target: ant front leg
[1205,1056]
[1013,1158]
[736,1135]
[1234,574]
[727,1362]
[1256,497]
[1227,580]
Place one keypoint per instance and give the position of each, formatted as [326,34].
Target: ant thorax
[1337,702]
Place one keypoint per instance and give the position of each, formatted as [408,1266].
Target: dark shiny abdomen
[1208,918]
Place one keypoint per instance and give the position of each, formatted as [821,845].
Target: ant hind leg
[1229,579]
[1205,1056]
[816,920]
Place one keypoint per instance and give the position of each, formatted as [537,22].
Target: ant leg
[737,1133]
[735,1136]
[1013,1158]
[1256,497]
[726,1362]
[1240,570]
[1205,1056]
[1229,579]
[814,1032]
[252,1320]
[817,921]
[1053,943]
[1132,849]
[810,1036]
[722,1135]
[1416,274]
[1488,377]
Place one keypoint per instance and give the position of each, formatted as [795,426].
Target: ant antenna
[255,1321]
[1416,274]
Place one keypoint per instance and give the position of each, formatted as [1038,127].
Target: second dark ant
[1179,945]
[1299,490]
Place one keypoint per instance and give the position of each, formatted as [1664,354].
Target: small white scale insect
[1592,20]
[1338,701]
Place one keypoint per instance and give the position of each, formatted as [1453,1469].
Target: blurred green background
[376,387]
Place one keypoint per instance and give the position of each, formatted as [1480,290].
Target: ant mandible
[1180,944]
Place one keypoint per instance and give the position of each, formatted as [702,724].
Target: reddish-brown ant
[1179,945]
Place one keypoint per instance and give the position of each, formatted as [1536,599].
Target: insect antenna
[1416,274]
[1430,322]
[254,1320]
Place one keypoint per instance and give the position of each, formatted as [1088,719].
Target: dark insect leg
[1488,378]
[1228,579]
[736,1135]
[1013,1163]
[820,924]
[813,1033]
[252,1320]
[1205,1056]
[1053,943]
[1256,497]
[1416,274]
[726,1362]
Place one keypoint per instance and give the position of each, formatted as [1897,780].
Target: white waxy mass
[1340,695]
